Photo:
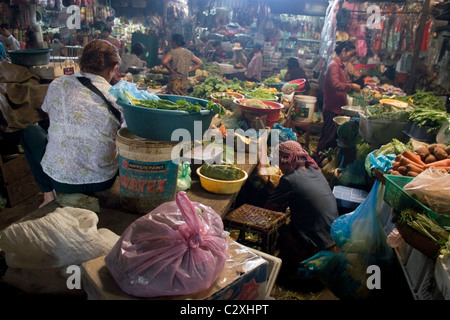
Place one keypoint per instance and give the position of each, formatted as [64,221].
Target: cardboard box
[17,181]
[244,277]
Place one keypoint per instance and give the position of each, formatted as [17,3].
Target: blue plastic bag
[117,91]
[362,243]
[382,162]
[280,134]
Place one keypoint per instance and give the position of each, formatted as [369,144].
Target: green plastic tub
[399,199]
[160,125]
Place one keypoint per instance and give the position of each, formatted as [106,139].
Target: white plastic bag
[67,236]
[432,188]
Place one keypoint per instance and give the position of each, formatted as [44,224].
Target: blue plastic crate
[347,197]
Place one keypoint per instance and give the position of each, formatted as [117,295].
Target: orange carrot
[395,173]
[395,165]
[411,167]
[413,157]
[440,163]
[405,161]
[402,170]
[223,130]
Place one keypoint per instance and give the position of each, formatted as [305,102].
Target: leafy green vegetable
[424,100]
[429,117]
[260,93]
[425,225]
[179,105]
[389,112]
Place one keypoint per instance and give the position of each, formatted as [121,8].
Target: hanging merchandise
[82,13]
[426,36]
[89,16]
[342,19]
[361,44]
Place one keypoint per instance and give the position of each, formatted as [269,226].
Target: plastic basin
[159,124]
[30,57]
[298,84]
[272,112]
[222,186]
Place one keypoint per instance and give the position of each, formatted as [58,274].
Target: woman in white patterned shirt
[78,154]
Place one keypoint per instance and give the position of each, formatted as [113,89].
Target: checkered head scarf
[292,153]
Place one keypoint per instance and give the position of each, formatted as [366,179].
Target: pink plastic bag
[178,248]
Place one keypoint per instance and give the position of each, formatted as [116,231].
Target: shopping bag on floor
[362,243]
[178,248]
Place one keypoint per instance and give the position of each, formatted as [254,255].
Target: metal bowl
[352,111]
[339,120]
[135,70]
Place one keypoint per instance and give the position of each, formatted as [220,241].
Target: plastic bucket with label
[148,171]
[304,108]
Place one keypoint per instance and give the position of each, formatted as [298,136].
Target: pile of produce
[216,84]
[432,118]
[179,105]
[212,69]
[422,99]
[413,163]
[221,172]
[272,80]
[262,93]
[255,103]
[388,111]
[159,69]
[395,147]
[424,225]
[428,110]
[248,89]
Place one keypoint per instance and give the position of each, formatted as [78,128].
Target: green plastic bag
[184,176]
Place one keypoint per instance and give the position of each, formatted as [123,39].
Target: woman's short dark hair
[98,56]
[5,26]
[138,49]
[341,45]
[293,63]
[178,39]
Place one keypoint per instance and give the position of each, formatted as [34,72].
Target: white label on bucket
[146,180]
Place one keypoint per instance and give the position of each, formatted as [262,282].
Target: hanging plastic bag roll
[178,248]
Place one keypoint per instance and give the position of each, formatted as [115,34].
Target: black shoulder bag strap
[87,82]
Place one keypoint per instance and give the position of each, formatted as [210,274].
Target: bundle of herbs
[424,225]
[431,117]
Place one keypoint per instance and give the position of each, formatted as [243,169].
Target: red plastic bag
[178,248]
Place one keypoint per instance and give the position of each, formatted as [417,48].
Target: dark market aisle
[112,217]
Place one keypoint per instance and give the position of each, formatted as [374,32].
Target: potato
[431,158]
[423,152]
[447,149]
[431,147]
[439,153]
